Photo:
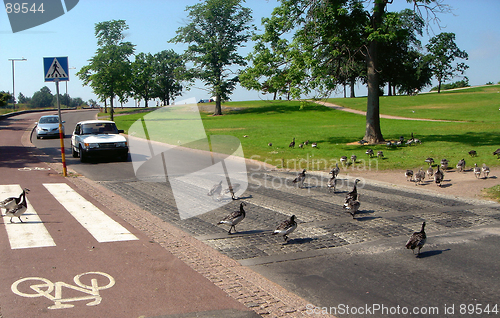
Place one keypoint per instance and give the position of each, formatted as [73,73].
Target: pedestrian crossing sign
[56,68]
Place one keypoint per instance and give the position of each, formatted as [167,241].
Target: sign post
[56,70]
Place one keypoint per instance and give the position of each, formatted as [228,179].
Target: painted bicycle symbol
[44,287]
[33,169]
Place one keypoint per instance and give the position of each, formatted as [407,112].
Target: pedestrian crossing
[33,233]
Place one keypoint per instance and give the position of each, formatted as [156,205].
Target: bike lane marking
[100,225]
[30,234]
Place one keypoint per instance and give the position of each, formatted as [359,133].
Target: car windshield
[99,128]
[49,120]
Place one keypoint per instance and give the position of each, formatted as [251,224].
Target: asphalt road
[343,265]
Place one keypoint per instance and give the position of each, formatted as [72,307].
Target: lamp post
[13,87]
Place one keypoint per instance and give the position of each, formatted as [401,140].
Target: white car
[98,138]
[48,126]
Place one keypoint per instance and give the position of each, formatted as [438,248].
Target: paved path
[360,112]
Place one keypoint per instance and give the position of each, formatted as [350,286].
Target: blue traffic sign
[56,68]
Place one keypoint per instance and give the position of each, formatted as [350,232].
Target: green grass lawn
[334,131]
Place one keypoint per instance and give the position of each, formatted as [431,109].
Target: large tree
[442,53]
[333,34]
[170,71]
[216,30]
[143,74]
[109,71]
[42,98]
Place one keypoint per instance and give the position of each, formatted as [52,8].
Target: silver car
[48,126]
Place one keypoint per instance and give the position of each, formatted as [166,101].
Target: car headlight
[91,145]
[121,144]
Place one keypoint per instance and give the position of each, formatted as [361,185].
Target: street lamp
[13,87]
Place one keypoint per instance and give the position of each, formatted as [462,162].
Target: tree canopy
[109,72]
[332,39]
[216,29]
[442,53]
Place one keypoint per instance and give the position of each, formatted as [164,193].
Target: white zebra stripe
[100,225]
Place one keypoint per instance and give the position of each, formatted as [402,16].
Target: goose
[430,161]
[419,176]
[380,154]
[409,175]
[369,152]
[314,145]
[18,210]
[233,188]
[286,227]
[486,170]
[473,153]
[444,164]
[335,171]
[497,153]
[352,206]
[362,142]
[430,172]
[353,159]
[461,165]
[292,144]
[477,171]
[332,183]
[389,144]
[300,178]
[301,145]
[306,142]
[417,239]
[216,190]
[234,218]
[343,160]
[438,177]
[401,140]
[353,195]
[12,202]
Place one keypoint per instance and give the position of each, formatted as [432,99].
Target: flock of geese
[438,175]
[15,206]
[285,228]
[351,202]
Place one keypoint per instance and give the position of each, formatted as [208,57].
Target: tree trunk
[373,133]
[218,108]
[111,110]
[105,106]
[439,85]
[390,91]
[351,84]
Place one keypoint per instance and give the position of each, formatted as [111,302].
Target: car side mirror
[121,131]
[63,121]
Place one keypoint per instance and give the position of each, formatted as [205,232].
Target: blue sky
[153,22]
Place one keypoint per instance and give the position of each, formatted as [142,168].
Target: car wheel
[73,152]
[83,157]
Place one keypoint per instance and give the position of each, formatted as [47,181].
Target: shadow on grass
[284,108]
